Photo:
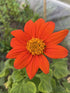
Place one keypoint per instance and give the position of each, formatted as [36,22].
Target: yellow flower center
[35,46]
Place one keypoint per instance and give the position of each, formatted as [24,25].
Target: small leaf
[53,83]
[9,63]
[67,86]
[45,84]
[17,76]
[60,68]
[56,86]
[2,80]
[23,87]
[3,91]
[29,87]
[8,84]
[59,89]
[36,81]
[4,73]
[1,65]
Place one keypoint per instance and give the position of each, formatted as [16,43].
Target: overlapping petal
[56,51]
[22,60]
[13,53]
[33,28]
[38,25]
[46,30]
[43,64]
[29,28]
[20,35]
[32,67]
[57,37]
[14,42]
[37,62]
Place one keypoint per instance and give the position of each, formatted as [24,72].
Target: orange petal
[57,37]
[32,67]
[33,31]
[56,51]
[22,60]
[20,35]
[13,53]
[43,64]
[15,43]
[38,25]
[29,28]
[46,30]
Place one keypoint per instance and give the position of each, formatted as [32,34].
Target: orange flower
[37,39]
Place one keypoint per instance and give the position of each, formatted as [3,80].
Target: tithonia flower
[37,40]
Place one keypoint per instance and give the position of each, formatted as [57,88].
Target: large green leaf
[45,83]
[60,68]
[23,87]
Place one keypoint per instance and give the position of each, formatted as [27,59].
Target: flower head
[37,39]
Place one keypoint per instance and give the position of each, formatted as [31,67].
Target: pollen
[35,46]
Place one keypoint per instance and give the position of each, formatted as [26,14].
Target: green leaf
[4,73]
[1,65]
[23,87]
[53,83]
[36,80]
[9,63]
[59,89]
[45,84]
[17,76]
[60,68]
[67,86]
[8,84]
[3,91]
[2,80]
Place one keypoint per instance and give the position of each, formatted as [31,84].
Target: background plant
[17,81]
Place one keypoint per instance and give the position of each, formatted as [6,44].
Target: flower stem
[45,9]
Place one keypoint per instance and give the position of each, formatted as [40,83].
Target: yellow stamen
[35,46]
